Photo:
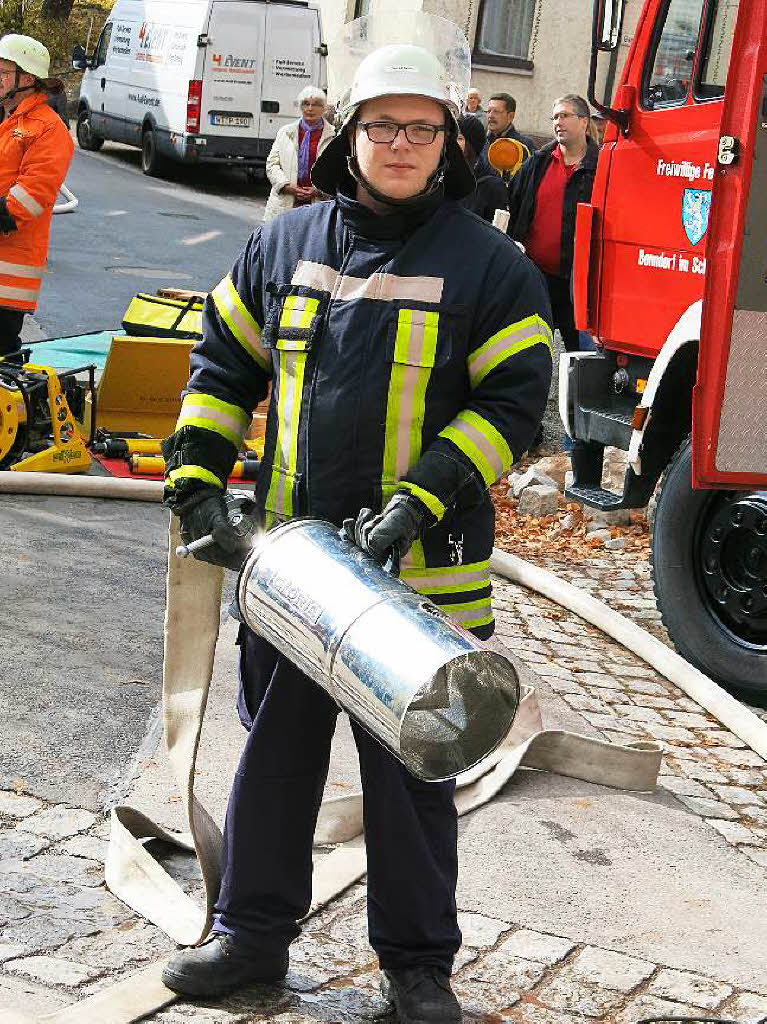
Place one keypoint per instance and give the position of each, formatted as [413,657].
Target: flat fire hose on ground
[194,598]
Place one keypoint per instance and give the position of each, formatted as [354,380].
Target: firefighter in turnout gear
[409,351]
[35,153]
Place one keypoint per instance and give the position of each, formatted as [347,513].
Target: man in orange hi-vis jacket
[35,153]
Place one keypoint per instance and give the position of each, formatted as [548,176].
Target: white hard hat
[27,53]
[401,69]
[399,53]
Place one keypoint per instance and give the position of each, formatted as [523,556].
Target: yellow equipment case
[161,316]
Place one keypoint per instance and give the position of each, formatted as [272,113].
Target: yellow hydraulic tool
[154,465]
[38,430]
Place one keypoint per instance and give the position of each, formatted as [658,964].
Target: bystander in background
[296,147]
[490,193]
[474,107]
[501,111]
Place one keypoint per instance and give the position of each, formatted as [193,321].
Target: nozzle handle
[184,550]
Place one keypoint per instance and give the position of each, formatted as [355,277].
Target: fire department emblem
[696,207]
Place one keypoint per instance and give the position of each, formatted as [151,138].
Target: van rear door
[291,62]
[233,69]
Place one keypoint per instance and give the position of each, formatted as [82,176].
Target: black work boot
[421,995]
[218,966]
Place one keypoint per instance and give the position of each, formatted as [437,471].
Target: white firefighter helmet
[400,70]
[401,53]
[26,53]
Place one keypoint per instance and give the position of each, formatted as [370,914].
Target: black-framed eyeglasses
[416,132]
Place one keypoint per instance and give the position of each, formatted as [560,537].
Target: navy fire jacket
[405,352]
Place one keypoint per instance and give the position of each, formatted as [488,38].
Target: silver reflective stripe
[385,287]
[456,581]
[22,294]
[19,270]
[315,275]
[29,202]
[465,615]
[389,287]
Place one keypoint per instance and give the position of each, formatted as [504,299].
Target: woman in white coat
[296,147]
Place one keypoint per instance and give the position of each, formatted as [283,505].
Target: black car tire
[151,161]
[700,631]
[86,137]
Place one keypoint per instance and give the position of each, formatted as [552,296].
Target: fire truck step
[595,497]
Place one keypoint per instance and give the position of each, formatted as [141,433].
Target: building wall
[560,48]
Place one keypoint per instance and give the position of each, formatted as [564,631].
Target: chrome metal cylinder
[432,693]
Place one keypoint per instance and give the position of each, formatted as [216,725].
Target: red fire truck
[670,277]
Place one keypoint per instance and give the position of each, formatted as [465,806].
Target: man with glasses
[501,112]
[35,152]
[543,198]
[408,347]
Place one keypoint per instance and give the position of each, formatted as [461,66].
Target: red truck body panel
[730,399]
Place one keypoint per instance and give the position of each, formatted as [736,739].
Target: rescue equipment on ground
[246,467]
[423,686]
[38,412]
[140,387]
[160,316]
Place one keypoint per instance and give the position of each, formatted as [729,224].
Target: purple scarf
[303,149]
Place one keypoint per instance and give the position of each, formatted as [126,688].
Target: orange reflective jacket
[35,153]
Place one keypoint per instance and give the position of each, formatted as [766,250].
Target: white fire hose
[71,201]
[194,592]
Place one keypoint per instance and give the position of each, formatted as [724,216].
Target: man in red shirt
[543,198]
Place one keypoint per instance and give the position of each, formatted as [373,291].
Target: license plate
[231,120]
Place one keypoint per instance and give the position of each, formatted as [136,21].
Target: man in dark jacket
[543,198]
[501,111]
[405,380]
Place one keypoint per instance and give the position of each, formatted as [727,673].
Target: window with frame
[717,49]
[668,81]
[103,45]
[504,29]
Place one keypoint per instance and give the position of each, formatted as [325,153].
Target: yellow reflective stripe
[244,328]
[470,614]
[298,311]
[290,385]
[415,347]
[480,442]
[209,413]
[507,343]
[449,579]
[194,473]
[430,500]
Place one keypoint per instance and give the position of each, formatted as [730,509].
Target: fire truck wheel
[709,562]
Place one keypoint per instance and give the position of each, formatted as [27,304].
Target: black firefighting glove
[204,512]
[7,221]
[388,535]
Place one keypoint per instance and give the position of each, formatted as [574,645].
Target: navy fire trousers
[410,826]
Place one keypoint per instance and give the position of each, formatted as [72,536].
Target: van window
[670,74]
[715,58]
[103,45]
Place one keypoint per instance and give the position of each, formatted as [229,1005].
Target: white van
[198,80]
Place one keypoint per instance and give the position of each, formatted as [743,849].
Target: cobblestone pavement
[63,936]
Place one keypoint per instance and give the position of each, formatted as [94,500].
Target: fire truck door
[653,261]
[730,401]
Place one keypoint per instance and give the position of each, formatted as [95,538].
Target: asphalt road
[133,233]
[83,581]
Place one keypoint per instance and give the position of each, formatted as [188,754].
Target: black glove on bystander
[204,512]
[389,533]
